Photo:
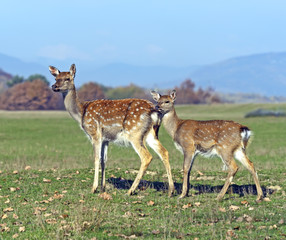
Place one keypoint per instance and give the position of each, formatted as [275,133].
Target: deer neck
[73,105]
[171,122]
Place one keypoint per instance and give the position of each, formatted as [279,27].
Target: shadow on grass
[242,190]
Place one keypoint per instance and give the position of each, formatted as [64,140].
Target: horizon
[263,74]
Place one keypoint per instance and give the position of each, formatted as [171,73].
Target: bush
[35,95]
[265,113]
[90,91]
[187,94]
[131,91]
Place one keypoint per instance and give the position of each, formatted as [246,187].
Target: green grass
[52,200]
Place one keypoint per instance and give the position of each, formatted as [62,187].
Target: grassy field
[46,174]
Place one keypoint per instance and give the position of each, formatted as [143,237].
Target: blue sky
[174,33]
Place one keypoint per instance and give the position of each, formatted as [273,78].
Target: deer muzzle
[55,88]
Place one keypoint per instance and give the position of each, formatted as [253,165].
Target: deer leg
[242,157]
[146,158]
[97,146]
[155,144]
[103,162]
[232,169]
[188,163]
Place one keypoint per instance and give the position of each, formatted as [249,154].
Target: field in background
[51,197]
[52,139]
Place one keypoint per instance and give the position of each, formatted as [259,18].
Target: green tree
[131,91]
[38,76]
[15,80]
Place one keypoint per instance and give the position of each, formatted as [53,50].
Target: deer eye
[167,101]
[67,79]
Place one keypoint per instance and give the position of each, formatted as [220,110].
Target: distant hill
[119,74]
[116,74]
[15,66]
[264,74]
[249,98]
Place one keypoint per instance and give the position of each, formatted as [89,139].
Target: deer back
[118,119]
[219,134]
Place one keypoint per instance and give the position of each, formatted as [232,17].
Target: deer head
[64,80]
[164,103]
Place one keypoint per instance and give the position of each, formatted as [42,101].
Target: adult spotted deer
[124,121]
[226,139]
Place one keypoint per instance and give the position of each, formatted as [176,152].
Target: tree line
[34,93]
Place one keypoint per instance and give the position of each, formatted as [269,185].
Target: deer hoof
[129,193]
[182,196]
[219,198]
[171,191]
[259,199]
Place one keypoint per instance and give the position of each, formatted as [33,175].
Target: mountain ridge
[258,73]
[263,74]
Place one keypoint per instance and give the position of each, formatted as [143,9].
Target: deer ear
[54,71]
[173,95]
[156,96]
[72,70]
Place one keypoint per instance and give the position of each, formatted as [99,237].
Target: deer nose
[54,87]
[157,107]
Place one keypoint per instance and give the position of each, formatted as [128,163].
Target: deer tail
[246,135]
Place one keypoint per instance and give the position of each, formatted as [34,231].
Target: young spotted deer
[226,139]
[123,121]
